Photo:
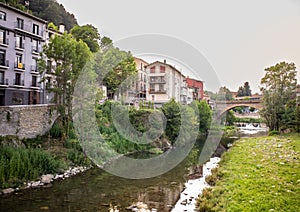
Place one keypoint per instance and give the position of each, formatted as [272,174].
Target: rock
[184,202]
[46,179]
[8,190]
[44,208]
[35,184]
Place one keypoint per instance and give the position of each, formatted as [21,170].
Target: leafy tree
[205,115]
[171,111]
[229,118]
[244,90]
[88,34]
[69,56]
[278,88]
[224,94]
[105,42]
[113,67]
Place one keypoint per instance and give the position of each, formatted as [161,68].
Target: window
[1,77]
[2,58]
[2,16]
[152,87]
[3,36]
[35,29]
[20,23]
[19,42]
[162,69]
[35,65]
[161,87]
[34,81]
[152,70]
[35,45]
[49,66]
[19,59]
[18,79]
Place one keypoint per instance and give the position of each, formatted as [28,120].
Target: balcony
[3,82]
[18,83]
[28,29]
[34,69]
[36,50]
[19,46]
[19,66]
[152,91]
[4,42]
[4,64]
[157,81]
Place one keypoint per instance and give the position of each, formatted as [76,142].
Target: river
[96,190]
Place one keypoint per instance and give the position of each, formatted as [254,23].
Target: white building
[165,82]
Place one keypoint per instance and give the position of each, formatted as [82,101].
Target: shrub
[19,164]
[273,132]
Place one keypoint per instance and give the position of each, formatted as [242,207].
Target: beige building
[137,91]
[165,82]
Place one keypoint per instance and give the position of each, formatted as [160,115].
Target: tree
[69,57]
[205,115]
[244,90]
[278,88]
[114,67]
[88,34]
[224,94]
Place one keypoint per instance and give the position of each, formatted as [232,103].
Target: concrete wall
[26,121]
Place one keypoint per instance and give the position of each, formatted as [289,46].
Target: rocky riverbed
[47,179]
[194,187]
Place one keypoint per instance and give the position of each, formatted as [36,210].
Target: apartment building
[21,39]
[196,88]
[165,82]
[137,91]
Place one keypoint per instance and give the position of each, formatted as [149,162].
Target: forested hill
[49,10]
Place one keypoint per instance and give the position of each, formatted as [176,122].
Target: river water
[96,190]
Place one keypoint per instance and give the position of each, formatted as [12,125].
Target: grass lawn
[257,174]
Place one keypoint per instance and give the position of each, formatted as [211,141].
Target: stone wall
[26,121]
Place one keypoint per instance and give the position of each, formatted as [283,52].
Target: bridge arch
[223,106]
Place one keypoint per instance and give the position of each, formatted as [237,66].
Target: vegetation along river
[96,190]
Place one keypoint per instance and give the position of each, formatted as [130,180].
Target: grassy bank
[26,160]
[257,174]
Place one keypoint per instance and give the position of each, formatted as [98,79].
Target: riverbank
[194,187]
[257,174]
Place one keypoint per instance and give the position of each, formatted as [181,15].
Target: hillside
[49,10]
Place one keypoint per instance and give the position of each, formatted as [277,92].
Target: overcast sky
[239,38]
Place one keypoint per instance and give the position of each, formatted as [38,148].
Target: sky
[238,38]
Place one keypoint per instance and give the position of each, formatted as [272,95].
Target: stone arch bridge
[223,106]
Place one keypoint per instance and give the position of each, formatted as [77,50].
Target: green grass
[257,174]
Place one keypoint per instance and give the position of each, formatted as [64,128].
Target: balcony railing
[4,63]
[19,45]
[18,82]
[34,69]
[19,66]
[36,49]
[28,28]
[4,42]
[4,82]
[153,91]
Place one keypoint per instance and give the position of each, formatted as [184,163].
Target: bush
[19,164]
[56,131]
[273,132]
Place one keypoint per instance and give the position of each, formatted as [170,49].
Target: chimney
[61,28]
[165,61]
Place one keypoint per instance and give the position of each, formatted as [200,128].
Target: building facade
[196,88]
[164,83]
[21,39]
[137,91]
